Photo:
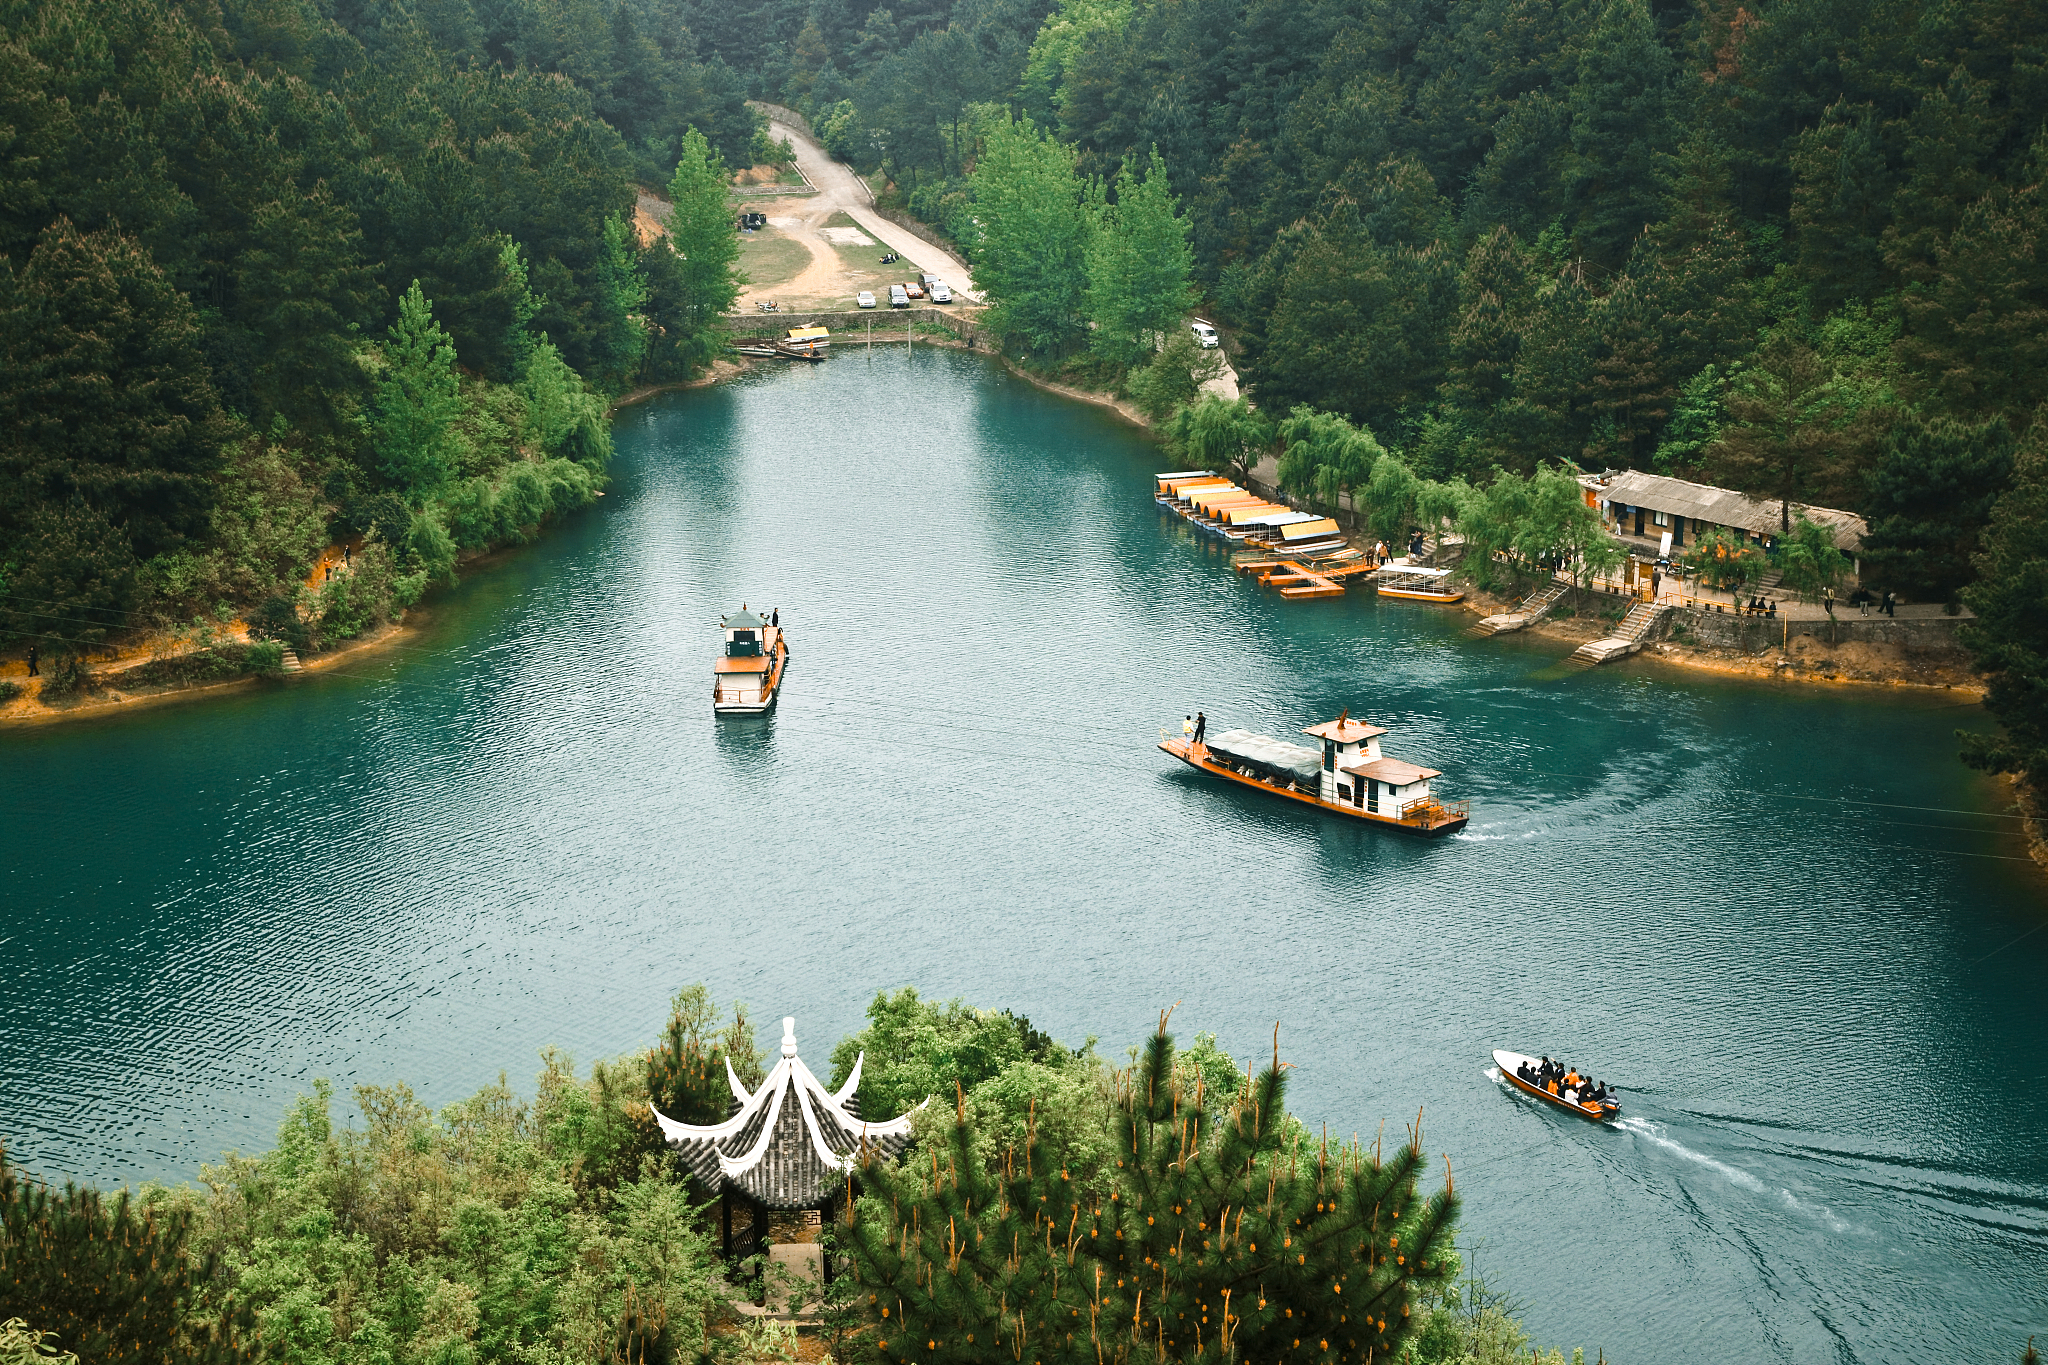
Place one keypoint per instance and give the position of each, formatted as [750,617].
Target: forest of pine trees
[276,274]
[1794,247]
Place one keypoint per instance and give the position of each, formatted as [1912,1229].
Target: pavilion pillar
[725,1210]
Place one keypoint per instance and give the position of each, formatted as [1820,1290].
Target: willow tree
[1217,432]
[1227,1233]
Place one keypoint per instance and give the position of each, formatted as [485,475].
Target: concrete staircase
[1635,627]
[1532,609]
[291,662]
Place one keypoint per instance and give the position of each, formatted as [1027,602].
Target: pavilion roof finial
[788,1036]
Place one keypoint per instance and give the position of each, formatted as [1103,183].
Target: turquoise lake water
[1794,930]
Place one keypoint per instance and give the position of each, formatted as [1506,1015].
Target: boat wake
[1734,1175]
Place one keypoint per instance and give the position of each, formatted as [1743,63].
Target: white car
[1205,334]
[941,292]
[864,299]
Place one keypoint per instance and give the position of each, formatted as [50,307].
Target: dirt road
[839,187]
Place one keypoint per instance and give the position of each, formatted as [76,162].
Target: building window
[1660,518]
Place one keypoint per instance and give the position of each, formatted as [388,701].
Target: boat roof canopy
[807,333]
[1251,512]
[1305,529]
[1345,730]
[1285,518]
[1413,571]
[1186,474]
[742,620]
[1391,771]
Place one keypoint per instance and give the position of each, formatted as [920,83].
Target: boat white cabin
[1349,775]
[1357,774]
[749,667]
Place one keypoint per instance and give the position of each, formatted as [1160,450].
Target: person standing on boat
[1201,726]
[775,618]
[1187,728]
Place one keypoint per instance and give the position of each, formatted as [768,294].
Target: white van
[1205,334]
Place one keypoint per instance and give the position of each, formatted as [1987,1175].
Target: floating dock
[1297,580]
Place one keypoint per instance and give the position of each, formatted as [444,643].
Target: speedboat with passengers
[1519,1070]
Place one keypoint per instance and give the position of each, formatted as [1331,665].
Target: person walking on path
[1201,726]
[33,655]
[1827,599]
[1891,603]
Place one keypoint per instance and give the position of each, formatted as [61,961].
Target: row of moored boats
[1213,504]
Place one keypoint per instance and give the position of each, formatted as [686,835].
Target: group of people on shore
[1563,1081]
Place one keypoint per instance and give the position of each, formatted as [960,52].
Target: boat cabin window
[745,644]
[1329,755]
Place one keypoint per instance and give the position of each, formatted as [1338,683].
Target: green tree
[1621,131]
[1810,559]
[1175,376]
[1324,456]
[1697,415]
[1222,1237]
[104,395]
[1218,433]
[1931,493]
[2009,638]
[1790,435]
[686,1070]
[115,1284]
[1031,249]
[918,1048]
[621,338]
[418,398]
[1490,521]
[1558,528]
[72,578]
[1138,266]
[1726,561]
[699,279]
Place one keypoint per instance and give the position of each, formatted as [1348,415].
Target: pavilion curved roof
[789,1142]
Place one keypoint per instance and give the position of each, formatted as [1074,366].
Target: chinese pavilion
[787,1152]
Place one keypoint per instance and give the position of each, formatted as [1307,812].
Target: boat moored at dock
[804,343]
[1416,583]
[1348,775]
[747,673]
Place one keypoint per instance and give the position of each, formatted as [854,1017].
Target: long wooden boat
[1605,1112]
[747,674]
[1348,777]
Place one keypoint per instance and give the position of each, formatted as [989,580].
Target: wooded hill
[275,273]
[1793,247]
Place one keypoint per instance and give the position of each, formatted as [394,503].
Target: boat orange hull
[1429,825]
[1584,1111]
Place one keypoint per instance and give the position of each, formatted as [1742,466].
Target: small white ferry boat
[1416,583]
[1347,776]
[748,671]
